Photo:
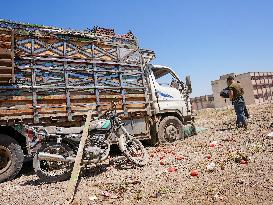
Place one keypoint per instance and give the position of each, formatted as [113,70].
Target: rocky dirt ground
[243,171]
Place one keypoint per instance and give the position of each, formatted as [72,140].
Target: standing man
[236,96]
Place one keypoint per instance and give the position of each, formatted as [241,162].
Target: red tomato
[172,169]
[244,161]
[194,173]
[179,157]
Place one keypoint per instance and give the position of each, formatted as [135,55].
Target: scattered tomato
[172,169]
[179,157]
[194,173]
[162,162]
[244,161]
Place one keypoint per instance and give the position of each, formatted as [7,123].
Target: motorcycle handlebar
[113,107]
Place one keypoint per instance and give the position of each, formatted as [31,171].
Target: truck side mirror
[188,84]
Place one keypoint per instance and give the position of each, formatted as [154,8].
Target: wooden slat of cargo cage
[74,97]
[6,57]
[21,105]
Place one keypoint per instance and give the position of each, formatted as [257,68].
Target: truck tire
[170,130]
[11,158]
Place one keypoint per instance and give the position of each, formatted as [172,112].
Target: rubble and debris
[93,198]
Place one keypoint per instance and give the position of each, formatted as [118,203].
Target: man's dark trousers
[239,109]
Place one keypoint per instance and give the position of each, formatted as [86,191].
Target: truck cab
[170,102]
[170,93]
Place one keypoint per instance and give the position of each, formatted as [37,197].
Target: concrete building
[202,102]
[258,88]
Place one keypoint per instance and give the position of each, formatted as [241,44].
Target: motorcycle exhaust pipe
[54,157]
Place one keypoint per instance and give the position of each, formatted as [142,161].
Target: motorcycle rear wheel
[52,171]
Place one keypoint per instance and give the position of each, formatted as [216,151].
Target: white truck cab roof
[161,70]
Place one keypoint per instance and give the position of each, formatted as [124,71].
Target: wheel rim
[135,150]
[171,132]
[55,168]
[5,159]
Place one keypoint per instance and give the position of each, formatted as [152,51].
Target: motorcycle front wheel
[134,150]
[53,171]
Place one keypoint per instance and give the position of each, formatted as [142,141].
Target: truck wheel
[11,158]
[170,130]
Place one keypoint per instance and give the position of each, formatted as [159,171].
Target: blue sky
[201,38]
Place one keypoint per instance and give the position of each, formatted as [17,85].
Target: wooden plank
[7,60]
[12,55]
[74,98]
[5,52]
[51,110]
[78,161]
[5,44]
[29,116]
[5,75]
[67,92]
[16,112]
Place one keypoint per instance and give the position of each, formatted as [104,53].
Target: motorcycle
[55,158]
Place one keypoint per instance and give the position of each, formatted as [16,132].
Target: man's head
[230,80]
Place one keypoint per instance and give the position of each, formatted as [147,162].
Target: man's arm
[230,95]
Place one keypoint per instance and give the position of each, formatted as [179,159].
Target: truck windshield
[165,78]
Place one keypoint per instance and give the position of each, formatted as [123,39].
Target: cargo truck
[51,77]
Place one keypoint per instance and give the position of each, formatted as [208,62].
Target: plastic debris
[211,166]
[106,194]
[270,135]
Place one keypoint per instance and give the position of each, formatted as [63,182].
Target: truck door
[168,89]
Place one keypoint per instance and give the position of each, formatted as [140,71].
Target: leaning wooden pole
[78,161]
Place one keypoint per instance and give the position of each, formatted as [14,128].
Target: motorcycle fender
[121,142]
